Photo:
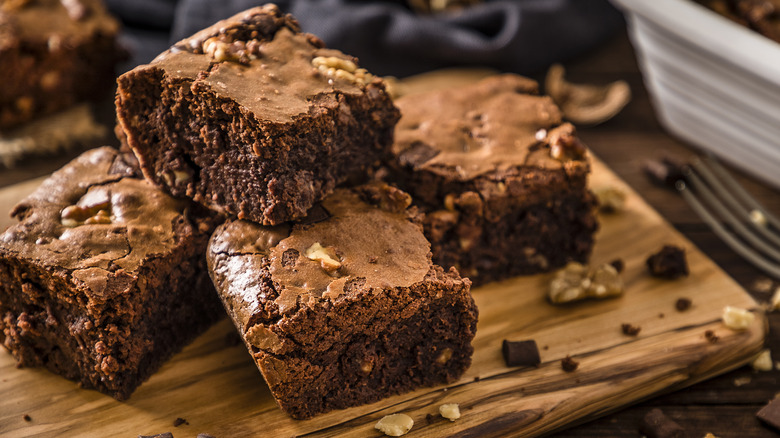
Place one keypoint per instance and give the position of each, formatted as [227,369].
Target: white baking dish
[714,83]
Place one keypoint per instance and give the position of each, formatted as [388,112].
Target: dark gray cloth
[522,36]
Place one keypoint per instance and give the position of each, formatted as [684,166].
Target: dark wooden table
[719,406]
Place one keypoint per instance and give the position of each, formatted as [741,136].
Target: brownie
[762,16]
[501,178]
[53,54]
[104,277]
[253,118]
[346,307]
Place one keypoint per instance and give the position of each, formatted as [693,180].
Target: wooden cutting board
[214,385]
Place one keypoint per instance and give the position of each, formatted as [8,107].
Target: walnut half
[576,282]
[583,103]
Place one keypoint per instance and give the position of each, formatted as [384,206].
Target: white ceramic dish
[714,83]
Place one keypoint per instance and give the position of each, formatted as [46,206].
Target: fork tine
[716,204]
[740,248]
[740,192]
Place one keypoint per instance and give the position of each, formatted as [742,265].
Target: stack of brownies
[247,154]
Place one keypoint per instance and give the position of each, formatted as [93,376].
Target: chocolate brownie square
[253,118]
[344,308]
[104,277]
[501,178]
[53,54]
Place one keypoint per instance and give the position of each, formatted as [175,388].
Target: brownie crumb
[682,304]
[27,417]
[711,336]
[669,263]
[661,315]
[630,330]
[159,435]
[429,418]
[476,379]
[568,364]
[179,421]
[545,347]
[521,353]
[770,414]
[618,264]
[657,425]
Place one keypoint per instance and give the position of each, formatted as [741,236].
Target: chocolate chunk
[630,330]
[770,414]
[618,264]
[668,263]
[657,425]
[682,304]
[521,353]
[179,421]
[568,364]
[711,336]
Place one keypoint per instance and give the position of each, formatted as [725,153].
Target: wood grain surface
[214,385]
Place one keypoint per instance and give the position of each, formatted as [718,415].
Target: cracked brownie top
[93,217]
[358,238]
[492,126]
[260,59]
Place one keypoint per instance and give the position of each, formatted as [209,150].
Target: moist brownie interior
[104,276]
[253,118]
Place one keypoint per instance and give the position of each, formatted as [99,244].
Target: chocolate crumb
[545,347]
[521,353]
[669,263]
[682,304]
[27,417]
[618,265]
[372,259]
[179,421]
[476,379]
[428,418]
[568,364]
[657,425]
[159,435]
[770,414]
[661,315]
[630,330]
[711,336]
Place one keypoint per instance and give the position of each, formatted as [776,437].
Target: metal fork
[732,213]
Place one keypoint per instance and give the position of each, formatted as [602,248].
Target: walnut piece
[566,146]
[222,48]
[326,256]
[763,362]
[450,411]
[395,424]
[576,282]
[339,68]
[736,318]
[611,199]
[76,215]
[583,103]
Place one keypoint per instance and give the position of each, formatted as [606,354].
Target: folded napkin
[389,38]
